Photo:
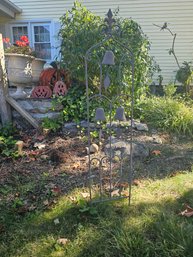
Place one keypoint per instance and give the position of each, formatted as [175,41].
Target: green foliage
[169,90]
[74,104]
[167,113]
[7,130]
[7,142]
[184,75]
[86,208]
[81,29]
[52,124]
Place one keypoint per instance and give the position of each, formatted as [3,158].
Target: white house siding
[178,13]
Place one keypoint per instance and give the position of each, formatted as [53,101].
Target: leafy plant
[74,103]
[185,75]
[52,124]
[169,90]
[7,141]
[85,207]
[81,29]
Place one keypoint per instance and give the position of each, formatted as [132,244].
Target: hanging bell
[109,58]
[100,114]
[107,81]
[120,114]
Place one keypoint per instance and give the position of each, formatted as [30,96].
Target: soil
[57,164]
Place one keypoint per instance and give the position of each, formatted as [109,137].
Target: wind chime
[107,187]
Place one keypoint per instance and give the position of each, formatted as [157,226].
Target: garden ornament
[100,114]
[120,114]
[107,81]
[109,58]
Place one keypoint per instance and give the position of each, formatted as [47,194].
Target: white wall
[178,13]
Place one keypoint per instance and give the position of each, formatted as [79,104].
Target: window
[41,41]
[19,31]
[39,35]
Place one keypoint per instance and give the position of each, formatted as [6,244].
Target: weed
[52,124]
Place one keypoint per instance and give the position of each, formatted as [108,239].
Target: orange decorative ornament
[60,88]
[42,92]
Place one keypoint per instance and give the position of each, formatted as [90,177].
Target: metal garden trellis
[110,28]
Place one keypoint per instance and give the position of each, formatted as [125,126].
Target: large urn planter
[19,71]
[37,67]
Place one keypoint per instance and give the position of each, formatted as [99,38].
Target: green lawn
[149,227]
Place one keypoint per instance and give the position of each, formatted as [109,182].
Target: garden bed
[43,199]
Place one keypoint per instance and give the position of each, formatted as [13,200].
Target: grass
[168,113]
[150,227]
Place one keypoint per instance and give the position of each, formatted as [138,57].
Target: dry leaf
[136,182]
[156,152]
[56,190]
[46,202]
[123,184]
[62,241]
[85,195]
[40,137]
[72,198]
[76,165]
[188,212]
[115,193]
[125,193]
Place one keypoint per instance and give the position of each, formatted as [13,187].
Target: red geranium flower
[24,39]
[6,40]
[20,46]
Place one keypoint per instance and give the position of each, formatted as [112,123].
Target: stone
[124,148]
[141,126]
[94,148]
[70,125]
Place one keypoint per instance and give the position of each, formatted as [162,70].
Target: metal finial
[110,21]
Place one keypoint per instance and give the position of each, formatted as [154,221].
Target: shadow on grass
[152,229]
[107,230]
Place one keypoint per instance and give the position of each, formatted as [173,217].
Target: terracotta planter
[19,70]
[37,67]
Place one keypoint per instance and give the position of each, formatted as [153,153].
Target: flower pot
[37,67]
[19,70]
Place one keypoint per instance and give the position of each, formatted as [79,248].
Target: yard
[45,209]
[145,140]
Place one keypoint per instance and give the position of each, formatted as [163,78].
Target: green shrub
[81,29]
[171,114]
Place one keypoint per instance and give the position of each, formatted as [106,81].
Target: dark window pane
[43,50]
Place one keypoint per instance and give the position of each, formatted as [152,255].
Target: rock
[141,126]
[124,148]
[157,140]
[84,124]
[70,125]
[94,148]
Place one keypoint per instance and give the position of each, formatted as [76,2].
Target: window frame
[33,35]
[30,24]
